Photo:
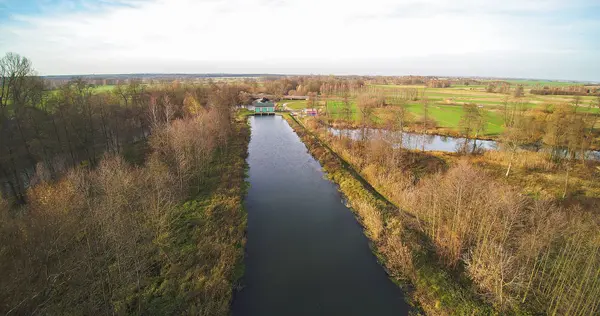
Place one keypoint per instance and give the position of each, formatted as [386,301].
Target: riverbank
[542,176]
[204,247]
[481,225]
[406,253]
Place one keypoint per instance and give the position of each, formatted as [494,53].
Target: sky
[546,39]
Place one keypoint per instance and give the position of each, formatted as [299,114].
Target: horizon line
[233,74]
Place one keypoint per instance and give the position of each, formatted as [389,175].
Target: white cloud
[290,36]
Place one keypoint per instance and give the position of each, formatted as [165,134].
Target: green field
[294,104]
[543,83]
[105,88]
[448,116]
[95,89]
[446,104]
[334,108]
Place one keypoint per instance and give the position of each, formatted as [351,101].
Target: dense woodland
[46,133]
[123,203]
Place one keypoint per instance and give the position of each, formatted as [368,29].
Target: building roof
[264,102]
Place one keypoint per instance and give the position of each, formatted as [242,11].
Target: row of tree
[430,81]
[566,90]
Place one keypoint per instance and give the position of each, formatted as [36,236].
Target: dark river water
[306,254]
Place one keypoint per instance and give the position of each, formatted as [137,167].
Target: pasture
[104,88]
[446,104]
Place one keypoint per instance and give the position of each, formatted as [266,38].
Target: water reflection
[415,141]
[428,142]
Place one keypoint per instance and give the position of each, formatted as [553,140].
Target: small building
[310,112]
[263,106]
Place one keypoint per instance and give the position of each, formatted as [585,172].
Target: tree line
[566,90]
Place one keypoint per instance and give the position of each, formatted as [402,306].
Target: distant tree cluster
[498,87]
[397,80]
[566,90]
[429,81]
[302,86]
[436,83]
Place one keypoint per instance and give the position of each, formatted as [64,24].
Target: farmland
[445,105]
[104,88]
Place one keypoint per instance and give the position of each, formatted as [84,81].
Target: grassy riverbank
[204,246]
[518,253]
[405,252]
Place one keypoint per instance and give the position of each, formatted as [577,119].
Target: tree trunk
[10,183]
[566,181]
[510,164]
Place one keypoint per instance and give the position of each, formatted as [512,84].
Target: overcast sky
[553,39]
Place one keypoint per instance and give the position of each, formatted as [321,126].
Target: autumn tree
[367,103]
[520,129]
[471,124]
[312,100]
[396,121]
[557,131]
[346,105]
[519,91]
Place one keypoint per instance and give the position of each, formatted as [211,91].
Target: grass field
[445,104]
[105,88]
[543,83]
[294,104]
[335,109]
[448,116]
[96,89]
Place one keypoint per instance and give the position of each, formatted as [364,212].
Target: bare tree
[472,123]
[517,131]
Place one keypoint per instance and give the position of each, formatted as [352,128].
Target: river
[305,254]
[429,142]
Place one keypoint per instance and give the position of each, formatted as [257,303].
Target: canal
[305,253]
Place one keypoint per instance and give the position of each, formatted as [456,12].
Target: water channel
[430,142]
[305,253]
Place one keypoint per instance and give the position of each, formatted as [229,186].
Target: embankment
[405,252]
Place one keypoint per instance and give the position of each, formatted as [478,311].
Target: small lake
[305,254]
[427,142]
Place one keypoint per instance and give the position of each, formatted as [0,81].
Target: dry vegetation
[163,236]
[522,253]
